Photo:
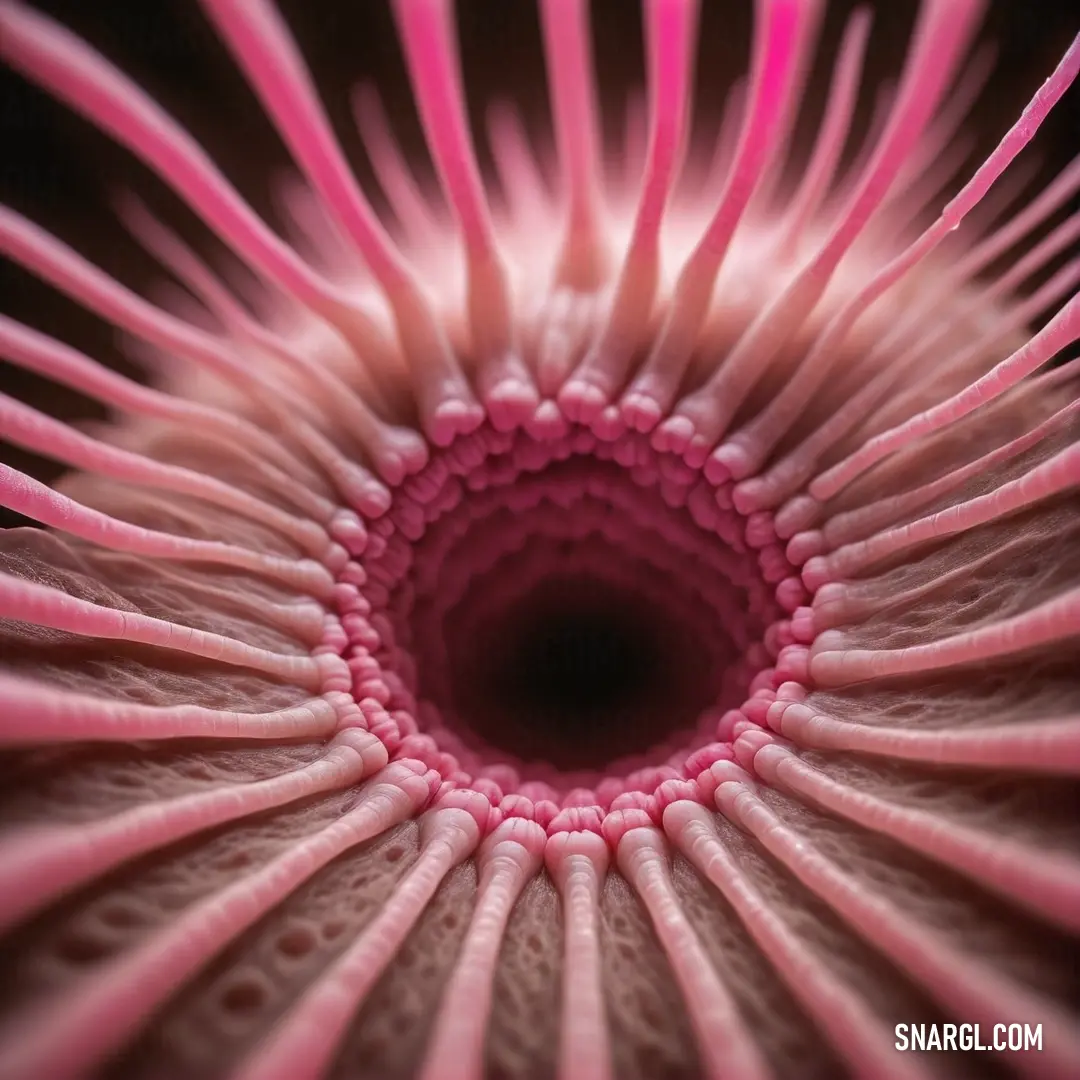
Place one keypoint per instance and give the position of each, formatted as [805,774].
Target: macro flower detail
[600,616]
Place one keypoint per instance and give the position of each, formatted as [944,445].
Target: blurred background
[59,171]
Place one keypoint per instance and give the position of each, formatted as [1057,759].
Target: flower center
[563,611]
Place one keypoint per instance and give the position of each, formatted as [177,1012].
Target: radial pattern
[613,618]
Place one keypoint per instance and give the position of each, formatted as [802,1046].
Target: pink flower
[612,617]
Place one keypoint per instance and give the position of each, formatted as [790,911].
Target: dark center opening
[577,652]
[580,672]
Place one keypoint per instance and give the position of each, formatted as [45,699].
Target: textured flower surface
[616,617]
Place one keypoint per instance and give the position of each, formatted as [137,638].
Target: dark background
[60,172]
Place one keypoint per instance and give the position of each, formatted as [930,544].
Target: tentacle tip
[619,822]
[790,594]
[793,664]
[582,401]
[673,435]
[391,467]
[547,422]
[736,460]
[680,813]
[760,529]
[804,547]
[640,412]
[562,849]
[722,771]
[815,573]
[803,624]
[696,453]
[472,802]
[511,404]
[410,449]
[453,418]
[723,465]
[748,744]
[751,496]
[609,425]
